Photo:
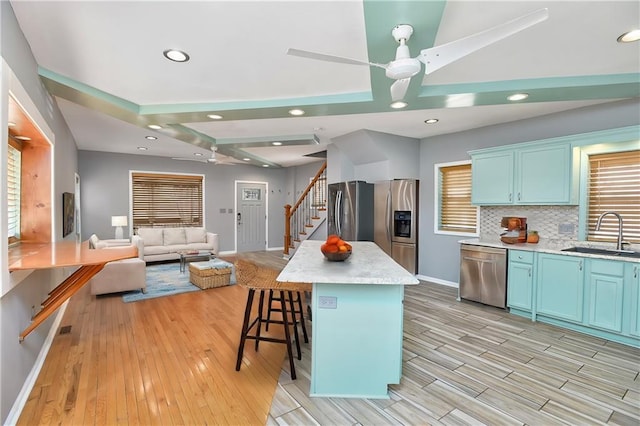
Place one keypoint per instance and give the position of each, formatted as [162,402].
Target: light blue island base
[356,341]
[357,308]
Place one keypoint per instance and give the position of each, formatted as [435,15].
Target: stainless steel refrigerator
[396,220]
[350,211]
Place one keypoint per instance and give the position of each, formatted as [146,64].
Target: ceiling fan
[403,67]
[215,158]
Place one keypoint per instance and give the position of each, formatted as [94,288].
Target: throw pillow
[151,236]
[173,236]
[196,235]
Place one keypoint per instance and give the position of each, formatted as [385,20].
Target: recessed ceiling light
[265,165]
[431,121]
[154,126]
[11,124]
[23,138]
[296,112]
[247,159]
[398,105]
[197,154]
[276,143]
[518,96]
[629,36]
[176,55]
[151,138]
[214,116]
[142,148]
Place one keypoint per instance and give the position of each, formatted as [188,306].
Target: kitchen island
[357,312]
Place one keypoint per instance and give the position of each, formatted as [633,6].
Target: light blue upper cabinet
[492,178]
[540,174]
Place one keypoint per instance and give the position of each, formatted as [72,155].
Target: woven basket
[209,278]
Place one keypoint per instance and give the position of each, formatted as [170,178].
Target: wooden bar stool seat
[262,279]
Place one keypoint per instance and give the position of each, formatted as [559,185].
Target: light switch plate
[327,302]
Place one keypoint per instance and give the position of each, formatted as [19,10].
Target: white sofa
[157,244]
[119,275]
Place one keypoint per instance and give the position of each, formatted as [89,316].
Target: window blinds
[14,161]
[165,200]
[614,185]
[457,214]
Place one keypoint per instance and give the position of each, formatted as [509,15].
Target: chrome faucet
[599,222]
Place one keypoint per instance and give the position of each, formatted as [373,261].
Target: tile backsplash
[555,224]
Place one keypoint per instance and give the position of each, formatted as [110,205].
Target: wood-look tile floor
[466,363]
[171,361]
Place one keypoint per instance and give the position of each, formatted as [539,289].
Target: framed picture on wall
[68,209]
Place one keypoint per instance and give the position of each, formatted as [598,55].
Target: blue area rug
[164,279]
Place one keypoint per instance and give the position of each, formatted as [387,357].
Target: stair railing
[298,218]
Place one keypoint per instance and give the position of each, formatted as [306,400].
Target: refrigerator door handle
[337,212]
[387,219]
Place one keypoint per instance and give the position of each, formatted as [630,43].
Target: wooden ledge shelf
[56,255]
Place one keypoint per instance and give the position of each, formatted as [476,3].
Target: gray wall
[17,359]
[439,254]
[104,187]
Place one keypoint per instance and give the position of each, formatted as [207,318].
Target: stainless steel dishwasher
[483,275]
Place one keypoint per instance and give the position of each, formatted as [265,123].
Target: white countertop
[549,247]
[368,264]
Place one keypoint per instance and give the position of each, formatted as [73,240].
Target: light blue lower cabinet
[594,296]
[560,286]
[357,339]
[633,277]
[520,278]
[606,294]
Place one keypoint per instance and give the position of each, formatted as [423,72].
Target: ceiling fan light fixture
[398,105]
[154,127]
[629,36]
[175,55]
[518,97]
[296,112]
[214,116]
[431,121]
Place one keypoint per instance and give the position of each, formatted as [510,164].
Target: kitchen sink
[589,250]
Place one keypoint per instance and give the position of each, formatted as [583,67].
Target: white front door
[251,216]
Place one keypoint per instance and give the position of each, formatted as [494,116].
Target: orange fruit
[343,249]
[332,248]
[333,239]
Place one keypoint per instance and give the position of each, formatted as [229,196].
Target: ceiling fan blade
[399,89]
[331,58]
[190,159]
[437,57]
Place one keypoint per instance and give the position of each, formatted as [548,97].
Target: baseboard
[27,387]
[437,281]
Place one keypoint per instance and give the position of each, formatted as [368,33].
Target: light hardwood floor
[171,361]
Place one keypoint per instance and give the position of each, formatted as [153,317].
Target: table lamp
[119,222]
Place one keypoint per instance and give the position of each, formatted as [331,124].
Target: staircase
[308,213]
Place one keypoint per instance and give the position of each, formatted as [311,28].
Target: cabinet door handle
[510,196]
[580,265]
[518,196]
[529,271]
[519,256]
[635,272]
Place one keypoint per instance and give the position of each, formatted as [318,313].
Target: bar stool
[261,279]
[297,300]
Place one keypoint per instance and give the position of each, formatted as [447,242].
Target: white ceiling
[103,61]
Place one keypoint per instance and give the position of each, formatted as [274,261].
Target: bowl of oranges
[335,249]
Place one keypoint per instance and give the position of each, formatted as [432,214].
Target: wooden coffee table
[192,255]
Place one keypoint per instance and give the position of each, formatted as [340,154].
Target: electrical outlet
[565,228]
[327,302]
[223,210]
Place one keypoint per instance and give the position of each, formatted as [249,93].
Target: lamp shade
[118,221]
